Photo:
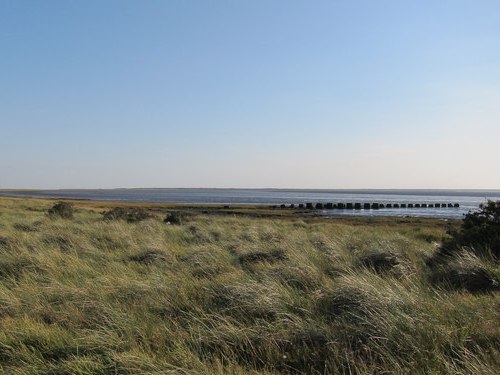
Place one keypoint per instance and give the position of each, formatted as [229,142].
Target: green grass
[222,294]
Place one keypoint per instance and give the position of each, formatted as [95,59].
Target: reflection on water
[444,213]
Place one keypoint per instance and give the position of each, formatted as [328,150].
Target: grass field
[234,293]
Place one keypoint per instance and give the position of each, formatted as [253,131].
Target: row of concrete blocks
[367,206]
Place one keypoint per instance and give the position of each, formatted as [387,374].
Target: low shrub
[131,215]
[462,261]
[174,218]
[480,230]
[117,213]
[62,209]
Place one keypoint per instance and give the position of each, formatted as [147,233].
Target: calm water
[468,199]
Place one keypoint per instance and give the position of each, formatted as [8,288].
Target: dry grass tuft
[379,262]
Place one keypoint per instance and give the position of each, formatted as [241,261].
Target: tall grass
[233,295]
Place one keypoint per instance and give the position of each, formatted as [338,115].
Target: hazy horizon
[262,94]
[257,188]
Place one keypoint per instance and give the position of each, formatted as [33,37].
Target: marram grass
[232,295]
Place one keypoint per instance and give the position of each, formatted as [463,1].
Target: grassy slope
[223,294]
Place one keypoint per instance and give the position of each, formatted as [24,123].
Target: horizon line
[250,188]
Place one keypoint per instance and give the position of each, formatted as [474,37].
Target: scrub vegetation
[125,292]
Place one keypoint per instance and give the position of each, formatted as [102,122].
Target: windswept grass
[237,295]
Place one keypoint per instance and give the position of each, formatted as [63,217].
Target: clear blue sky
[316,94]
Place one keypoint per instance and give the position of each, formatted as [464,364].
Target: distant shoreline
[338,191]
[251,210]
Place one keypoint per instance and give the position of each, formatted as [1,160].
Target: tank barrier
[364,206]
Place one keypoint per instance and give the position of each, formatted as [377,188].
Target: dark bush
[480,230]
[116,213]
[62,209]
[131,215]
[478,236]
[138,214]
[175,218]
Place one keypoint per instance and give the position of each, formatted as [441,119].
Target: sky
[261,93]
